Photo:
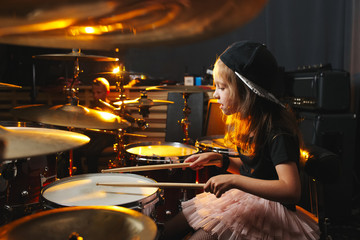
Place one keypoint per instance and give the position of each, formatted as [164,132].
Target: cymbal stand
[185,121]
[74,101]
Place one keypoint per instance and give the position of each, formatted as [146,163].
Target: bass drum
[152,153]
[82,190]
[21,180]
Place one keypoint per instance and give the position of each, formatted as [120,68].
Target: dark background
[300,33]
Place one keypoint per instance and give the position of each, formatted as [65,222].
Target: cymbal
[82,222]
[143,102]
[75,55]
[9,85]
[110,24]
[182,88]
[23,142]
[70,116]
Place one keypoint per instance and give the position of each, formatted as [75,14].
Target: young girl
[258,200]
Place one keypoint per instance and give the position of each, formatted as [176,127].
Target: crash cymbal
[70,116]
[143,102]
[181,88]
[75,55]
[7,85]
[82,222]
[110,24]
[23,142]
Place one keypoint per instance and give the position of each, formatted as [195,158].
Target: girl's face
[223,95]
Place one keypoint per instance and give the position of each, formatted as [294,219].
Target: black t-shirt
[279,148]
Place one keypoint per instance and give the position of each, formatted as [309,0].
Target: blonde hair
[254,117]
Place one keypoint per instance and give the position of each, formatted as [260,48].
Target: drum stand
[74,101]
[185,121]
[120,143]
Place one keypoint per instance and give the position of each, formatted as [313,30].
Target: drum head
[90,223]
[160,151]
[82,190]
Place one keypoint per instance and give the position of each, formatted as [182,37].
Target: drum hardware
[143,103]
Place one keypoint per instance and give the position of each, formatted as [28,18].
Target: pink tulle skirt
[240,215]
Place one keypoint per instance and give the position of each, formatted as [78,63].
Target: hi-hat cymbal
[110,24]
[23,142]
[181,88]
[7,85]
[143,102]
[75,55]
[70,116]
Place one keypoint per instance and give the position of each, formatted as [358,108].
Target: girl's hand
[197,161]
[219,184]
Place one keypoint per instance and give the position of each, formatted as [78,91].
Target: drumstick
[155,167]
[158,185]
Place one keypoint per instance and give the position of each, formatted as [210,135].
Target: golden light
[36,27]
[116,70]
[304,154]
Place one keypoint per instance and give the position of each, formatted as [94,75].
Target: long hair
[254,118]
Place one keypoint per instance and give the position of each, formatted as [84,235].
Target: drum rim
[144,201]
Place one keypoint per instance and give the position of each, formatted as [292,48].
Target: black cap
[253,61]
[254,65]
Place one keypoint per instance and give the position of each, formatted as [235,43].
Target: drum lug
[24,194]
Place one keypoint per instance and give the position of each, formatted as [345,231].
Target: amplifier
[323,90]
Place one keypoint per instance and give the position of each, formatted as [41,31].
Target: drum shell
[25,177]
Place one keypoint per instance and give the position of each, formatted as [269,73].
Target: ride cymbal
[181,88]
[143,102]
[21,142]
[74,55]
[70,116]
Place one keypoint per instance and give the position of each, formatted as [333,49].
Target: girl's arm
[286,190]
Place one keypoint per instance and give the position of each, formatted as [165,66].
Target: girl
[256,201]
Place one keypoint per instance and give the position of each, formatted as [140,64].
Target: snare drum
[159,152]
[148,153]
[82,190]
[215,143]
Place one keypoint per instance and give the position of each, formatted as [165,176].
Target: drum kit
[155,194]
